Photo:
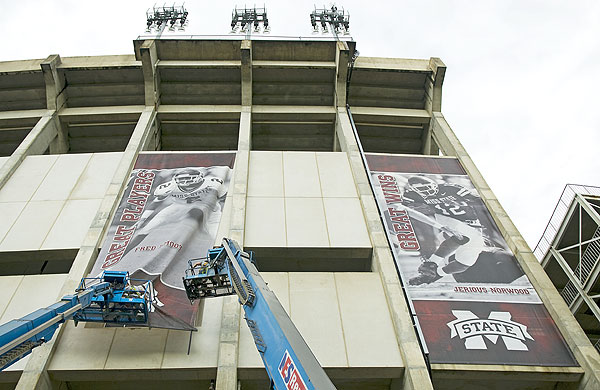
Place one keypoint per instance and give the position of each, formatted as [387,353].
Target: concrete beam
[95,62]
[227,364]
[416,375]
[214,64]
[11,116]
[246,68]
[295,64]
[576,339]
[400,64]
[151,76]
[433,89]
[342,59]
[36,142]
[119,112]
[275,109]
[56,98]
[35,375]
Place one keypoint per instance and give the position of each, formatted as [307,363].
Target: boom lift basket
[127,303]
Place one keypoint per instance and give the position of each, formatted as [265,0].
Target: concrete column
[227,364]
[246,68]
[342,58]
[416,375]
[433,89]
[580,345]
[34,374]
[56,98]
[433,102]
[230,323]
[36,142]
[149,59]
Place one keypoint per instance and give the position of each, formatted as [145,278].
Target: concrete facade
[71,129]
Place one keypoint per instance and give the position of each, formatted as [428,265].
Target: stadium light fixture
[338,21]
[247,19]
[157,18]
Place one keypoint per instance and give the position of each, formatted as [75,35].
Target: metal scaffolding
[572,241]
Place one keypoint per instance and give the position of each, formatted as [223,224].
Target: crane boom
[109,298]
[228,270]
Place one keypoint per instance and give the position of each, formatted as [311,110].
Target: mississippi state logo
[472,329]
[290,374]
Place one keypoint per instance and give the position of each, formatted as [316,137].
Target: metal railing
[584,268]
[560,211]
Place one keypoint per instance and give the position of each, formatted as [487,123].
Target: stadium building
[367,217]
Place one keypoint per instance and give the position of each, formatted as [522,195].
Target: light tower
[158,18]
[332,18]
[244,19]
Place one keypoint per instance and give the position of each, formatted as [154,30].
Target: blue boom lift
[229,270]
[111,298]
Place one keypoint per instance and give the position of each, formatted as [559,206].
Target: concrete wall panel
[27,178]
[9,211]
[72,224]
[265,222]
[305,223]
[8,287]
[62,177]
[368,328]
[346,223]
[315,312]
[335,175]
[321,206]
[83,347]
[266,174]
[300,175]
[96,177]
[204,349]
[137,349]
[31,228]
[46,182]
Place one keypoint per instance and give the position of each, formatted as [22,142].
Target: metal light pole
[245,19]
[330,19]
[158,18]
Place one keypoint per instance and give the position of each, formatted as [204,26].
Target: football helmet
[188,179]
[423,185]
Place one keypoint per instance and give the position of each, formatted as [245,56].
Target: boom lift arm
[110,298]
[229,270]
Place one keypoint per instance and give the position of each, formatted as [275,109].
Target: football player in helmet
[188,179]
[423,185]
[451,220]
[188,185]
[204,187]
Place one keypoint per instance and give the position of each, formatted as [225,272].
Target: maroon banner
[473,301]
[169,213]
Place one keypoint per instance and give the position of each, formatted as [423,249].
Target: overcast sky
[521,89]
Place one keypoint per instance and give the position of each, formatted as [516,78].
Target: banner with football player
[448,248]
[169,213]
